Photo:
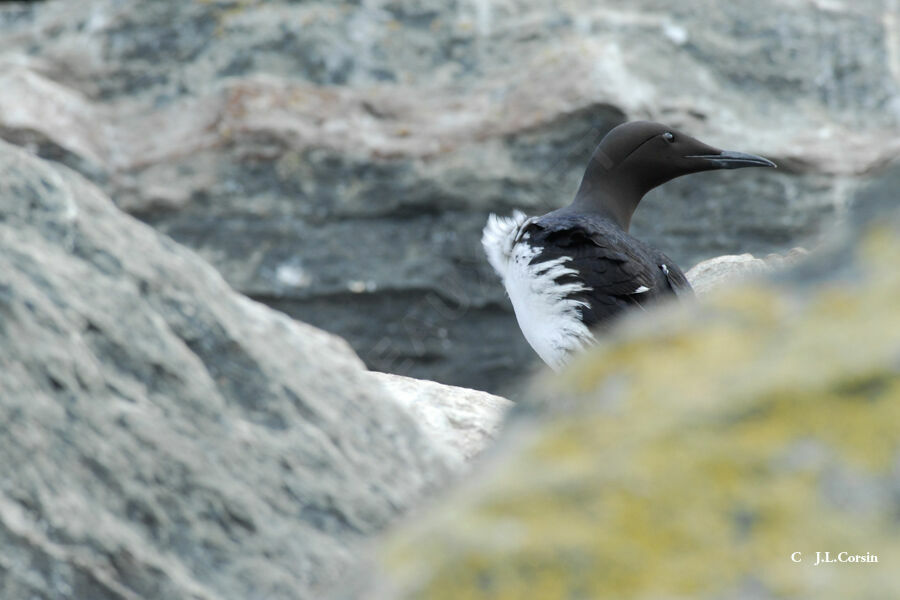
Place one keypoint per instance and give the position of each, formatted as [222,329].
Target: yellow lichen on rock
[694,457]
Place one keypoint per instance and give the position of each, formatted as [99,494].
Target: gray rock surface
[162,436]
[338,159]
[461,421]
[713,273]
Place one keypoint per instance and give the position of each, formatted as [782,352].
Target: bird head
[636,157]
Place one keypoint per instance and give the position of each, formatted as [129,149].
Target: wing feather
[616,271]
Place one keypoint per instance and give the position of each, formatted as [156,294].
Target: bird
[573,271]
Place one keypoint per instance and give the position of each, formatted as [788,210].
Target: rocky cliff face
[706,452]
[162,436]
[337,160]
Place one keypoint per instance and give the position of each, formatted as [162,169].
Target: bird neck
[615,198]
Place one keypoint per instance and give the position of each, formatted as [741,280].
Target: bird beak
[727,159]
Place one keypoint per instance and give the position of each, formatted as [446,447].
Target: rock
[709,274]
[695,454]
[337,160]
[464,422]
[163,436]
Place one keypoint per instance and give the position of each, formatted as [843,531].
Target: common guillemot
[574,269]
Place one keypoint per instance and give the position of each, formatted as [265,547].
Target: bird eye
[668,137]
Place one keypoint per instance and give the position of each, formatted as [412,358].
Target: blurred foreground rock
[693,455]
[164,437]
[337,159]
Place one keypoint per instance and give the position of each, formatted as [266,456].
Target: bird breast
[548,315]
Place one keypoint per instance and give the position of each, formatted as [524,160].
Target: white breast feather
[498,237]
[550,321]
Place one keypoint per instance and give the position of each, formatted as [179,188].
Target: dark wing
[676,279]
[617,272]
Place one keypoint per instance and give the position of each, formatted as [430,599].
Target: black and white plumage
[572,271]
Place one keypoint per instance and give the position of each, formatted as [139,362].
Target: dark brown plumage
[576,268]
